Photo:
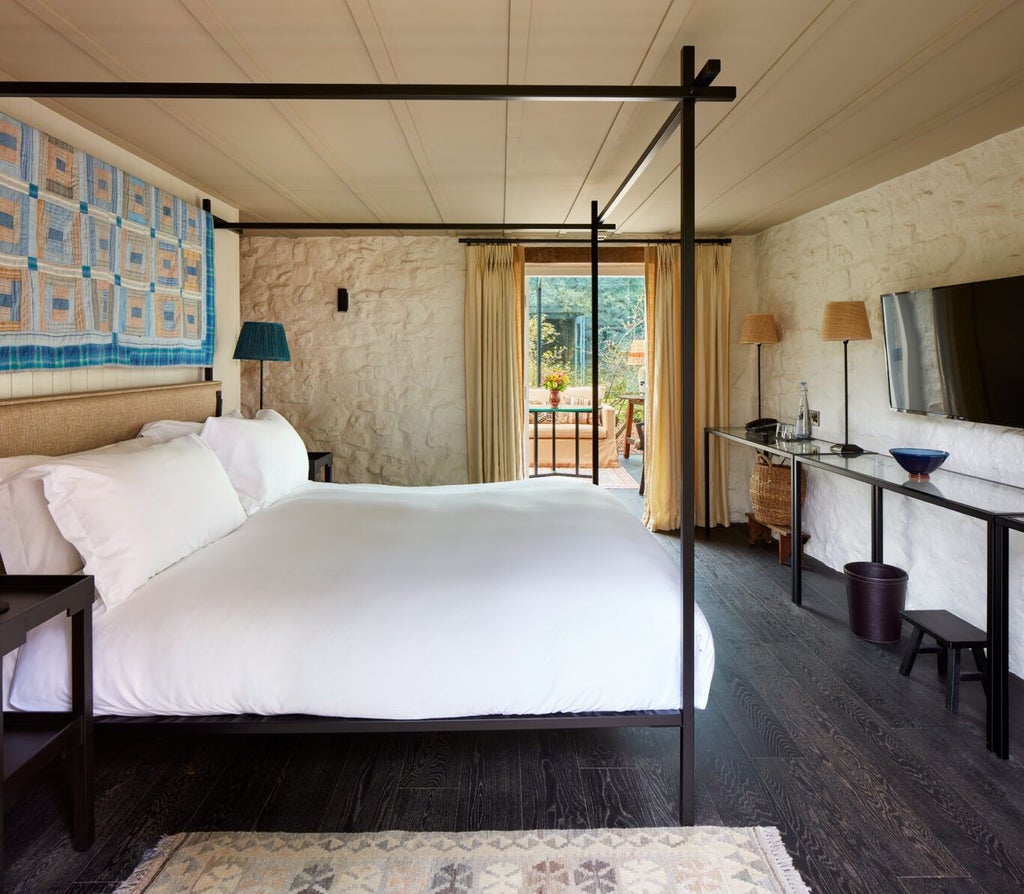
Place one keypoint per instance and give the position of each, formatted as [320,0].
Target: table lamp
[262,341]
[759,329]
[846,321]
[635,357]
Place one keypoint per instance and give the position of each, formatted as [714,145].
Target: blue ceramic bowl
[918,461]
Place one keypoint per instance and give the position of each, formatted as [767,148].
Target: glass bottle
[803,415]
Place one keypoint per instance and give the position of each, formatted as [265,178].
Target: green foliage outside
[564,301]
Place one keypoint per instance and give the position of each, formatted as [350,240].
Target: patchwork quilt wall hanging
[97,267]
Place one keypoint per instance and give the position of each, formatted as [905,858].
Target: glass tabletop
[806,447]
[963,492]
[572,409]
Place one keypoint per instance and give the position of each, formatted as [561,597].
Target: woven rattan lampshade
[759,329]
[845,321]
[635,357]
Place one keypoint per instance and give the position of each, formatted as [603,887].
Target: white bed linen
[530,597]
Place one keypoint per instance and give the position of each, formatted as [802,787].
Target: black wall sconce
[342,300]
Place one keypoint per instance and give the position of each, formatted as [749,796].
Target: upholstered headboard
[65,423]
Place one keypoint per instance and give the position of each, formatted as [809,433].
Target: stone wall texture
[957,220]
[383,385]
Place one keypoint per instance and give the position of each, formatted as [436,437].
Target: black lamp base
[847,449]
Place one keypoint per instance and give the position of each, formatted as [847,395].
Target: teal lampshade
[262,341]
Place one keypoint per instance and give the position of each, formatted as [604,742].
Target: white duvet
[532,597]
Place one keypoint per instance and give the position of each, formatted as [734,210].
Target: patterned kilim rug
[698,860]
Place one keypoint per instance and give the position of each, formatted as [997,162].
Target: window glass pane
[559,336]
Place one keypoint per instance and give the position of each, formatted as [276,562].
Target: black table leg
[998,709]
[594,435]
[876,524]
[81,709]
[796,590]
[536,443]
[554,440]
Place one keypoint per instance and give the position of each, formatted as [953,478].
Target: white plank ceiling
[833,96]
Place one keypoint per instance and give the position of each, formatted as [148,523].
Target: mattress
[529,597]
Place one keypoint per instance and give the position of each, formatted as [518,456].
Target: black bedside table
[321,459]
[31,740]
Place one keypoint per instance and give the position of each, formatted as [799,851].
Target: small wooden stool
[757,530]
[951,634]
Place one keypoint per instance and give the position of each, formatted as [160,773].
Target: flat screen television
[958,351]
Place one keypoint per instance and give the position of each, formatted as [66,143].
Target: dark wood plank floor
[876,788]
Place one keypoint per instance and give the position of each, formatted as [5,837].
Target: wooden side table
[31,740]
[634,400]
[321,459]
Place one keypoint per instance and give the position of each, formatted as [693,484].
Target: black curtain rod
[383,92]
[219,224]
[469,240]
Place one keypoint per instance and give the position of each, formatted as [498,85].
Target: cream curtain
[494,362]
[662,458]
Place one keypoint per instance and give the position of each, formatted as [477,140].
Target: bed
[345,607]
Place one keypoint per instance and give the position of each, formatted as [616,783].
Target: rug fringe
[153,862]
[772,843]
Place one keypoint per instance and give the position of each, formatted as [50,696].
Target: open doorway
[559,340]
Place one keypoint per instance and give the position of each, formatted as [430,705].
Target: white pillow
[264,457]
[30,541]
[167,429]
[131,515]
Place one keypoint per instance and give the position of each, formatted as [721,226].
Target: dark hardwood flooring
[876,788]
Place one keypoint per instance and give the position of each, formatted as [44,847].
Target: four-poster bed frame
[694,87]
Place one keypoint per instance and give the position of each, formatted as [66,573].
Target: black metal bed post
[208,370]
[595,414]
[687,140]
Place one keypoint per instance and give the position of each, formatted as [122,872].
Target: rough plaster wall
[382,386]
[957,220]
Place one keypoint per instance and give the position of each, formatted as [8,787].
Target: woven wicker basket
[770,487]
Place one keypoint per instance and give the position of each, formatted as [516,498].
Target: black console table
[1000,506]
[30,740]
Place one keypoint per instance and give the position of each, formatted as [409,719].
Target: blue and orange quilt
[97,267]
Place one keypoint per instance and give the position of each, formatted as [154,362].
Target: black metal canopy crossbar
[696,90]
[693,87]
[242,226]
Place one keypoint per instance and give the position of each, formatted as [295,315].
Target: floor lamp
[262,341]
[759,329]
[846,321]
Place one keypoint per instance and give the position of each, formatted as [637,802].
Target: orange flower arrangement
[556,380]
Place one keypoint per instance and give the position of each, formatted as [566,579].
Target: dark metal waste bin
[875,595]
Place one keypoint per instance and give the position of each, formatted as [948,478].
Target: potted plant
[556,382]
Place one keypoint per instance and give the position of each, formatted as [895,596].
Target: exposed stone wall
[957,220]
[383,385]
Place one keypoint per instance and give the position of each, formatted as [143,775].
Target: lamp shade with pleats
[635,357]
[262,341]
[845,321]
[759,329]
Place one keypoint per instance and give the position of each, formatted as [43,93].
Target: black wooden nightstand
[31,740]
[321,459]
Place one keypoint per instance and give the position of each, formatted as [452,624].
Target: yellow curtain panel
[662,459]
[494,362]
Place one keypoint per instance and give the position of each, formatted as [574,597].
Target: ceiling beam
[380,92]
